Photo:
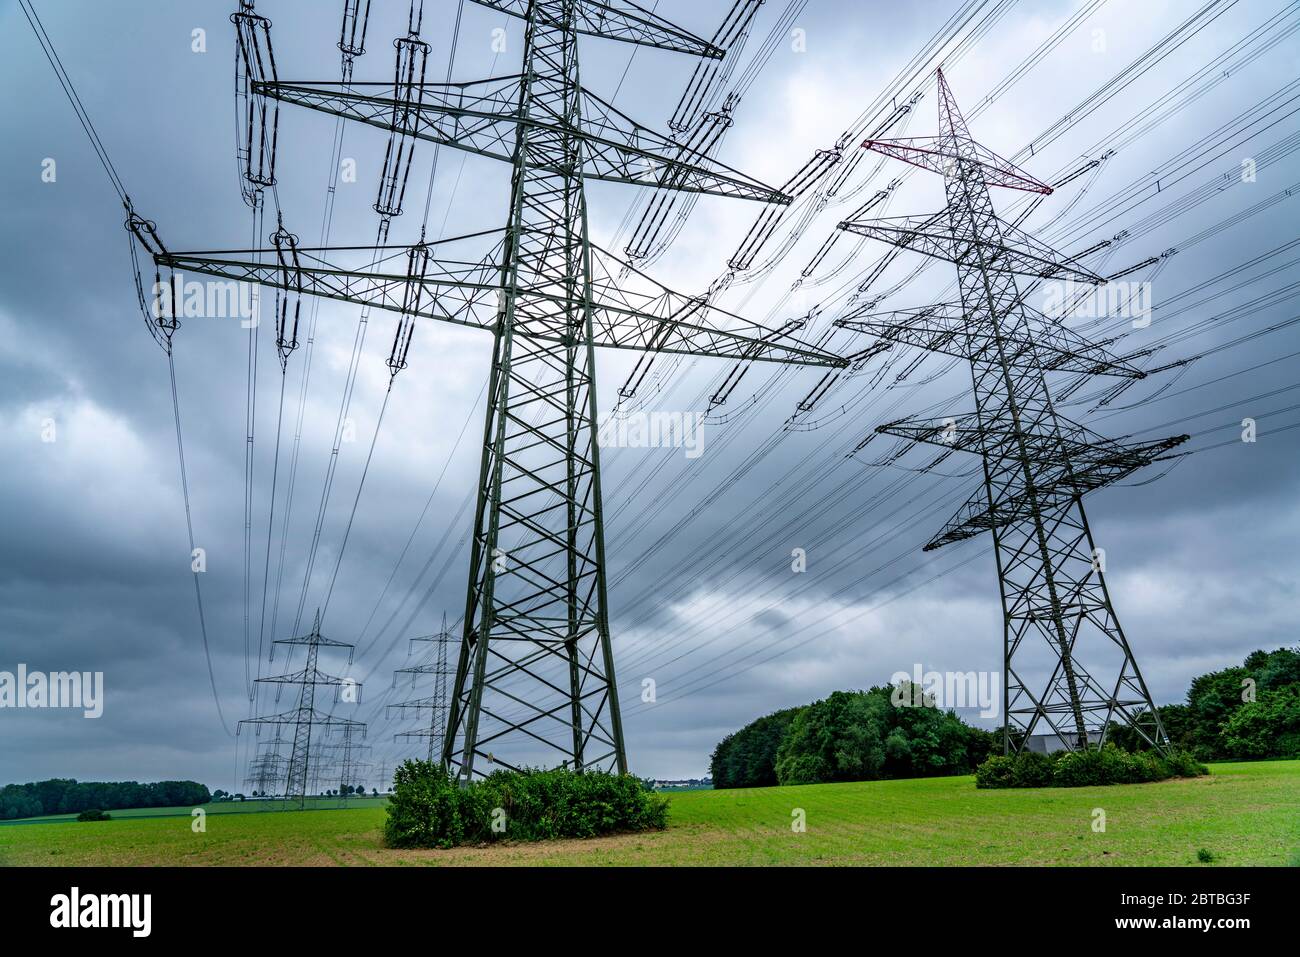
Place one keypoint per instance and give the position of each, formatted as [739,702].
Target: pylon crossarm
[944,328]
[474,116]
[316,677]
[1069,442]
[452,290]
[1057,483]
[643,315]
[418,704]
[934,153]
[1014,252]
[484,118]
[313,640]
[621,20]
[1103,465]
[620,149]
[314,716]
[421,670]
[633,311]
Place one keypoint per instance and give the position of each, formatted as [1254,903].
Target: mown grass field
[1244,814]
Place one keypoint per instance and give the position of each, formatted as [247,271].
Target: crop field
[1242,814]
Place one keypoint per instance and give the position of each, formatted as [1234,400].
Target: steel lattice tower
[535,677]
[306,717]
[1037,465]
[540,465]
[436,703]
[267,771]
[348,761]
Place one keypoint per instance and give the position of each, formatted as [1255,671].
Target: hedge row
[429,808]
[1076,769]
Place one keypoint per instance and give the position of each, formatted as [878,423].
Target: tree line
[850,736]
[1239,713]
[69,796]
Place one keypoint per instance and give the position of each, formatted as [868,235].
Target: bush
[1075,769]
[1149,766]
[1117,767]
[94,814]
[429,808]
[1184,765]
[995,772]
[1031,770]
[425,808]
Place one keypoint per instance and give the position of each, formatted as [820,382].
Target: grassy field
[225,807]
[1242,813]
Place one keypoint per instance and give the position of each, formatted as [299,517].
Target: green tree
[747,758]
[840,738]
[16,800]
[1275,669]
[1268,727]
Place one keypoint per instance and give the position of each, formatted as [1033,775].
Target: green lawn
[1242,813]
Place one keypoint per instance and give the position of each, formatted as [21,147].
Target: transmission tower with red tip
[1070,674]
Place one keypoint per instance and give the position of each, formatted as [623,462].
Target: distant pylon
[346,758]
[435,704]
[305,717]
[1037,463]
[267,771]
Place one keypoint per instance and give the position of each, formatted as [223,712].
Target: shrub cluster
[429,808]
[1076,769]
[94,814]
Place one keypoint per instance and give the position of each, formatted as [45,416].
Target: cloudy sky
[94,559]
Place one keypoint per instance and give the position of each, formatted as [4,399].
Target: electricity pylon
[347,754]
[536,624]
[1037,464]
[306,716]
[436,703]
[268,770]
